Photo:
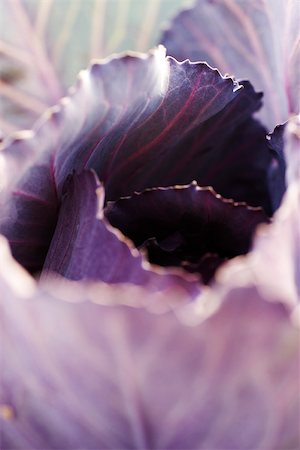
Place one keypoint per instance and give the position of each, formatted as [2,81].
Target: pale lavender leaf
[255,40]
[292,149]
[85,375]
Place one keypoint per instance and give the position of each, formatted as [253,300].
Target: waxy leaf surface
[256,40]
[149,127]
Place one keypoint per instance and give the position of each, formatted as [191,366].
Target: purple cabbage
[135,142]
[150,257]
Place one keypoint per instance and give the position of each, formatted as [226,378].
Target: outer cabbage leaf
[130,132]
[114,376]
[256,40]
[44,44]
[291,149]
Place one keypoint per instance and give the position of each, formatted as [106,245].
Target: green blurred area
[69,33]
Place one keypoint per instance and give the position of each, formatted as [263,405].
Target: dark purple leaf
[139,121]
[277,181]
[29,213]
[236,165]
[86,375]
[184,223]
[255,40]
[85,247]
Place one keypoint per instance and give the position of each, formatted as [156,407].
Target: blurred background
[45,43]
